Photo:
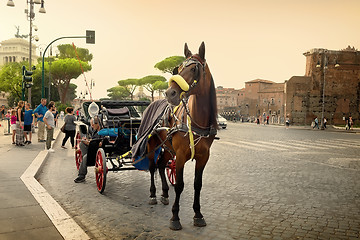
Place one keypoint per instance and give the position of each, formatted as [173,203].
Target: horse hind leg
[162,162]
[152,199]
[199,220]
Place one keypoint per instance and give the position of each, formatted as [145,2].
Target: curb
[66,226]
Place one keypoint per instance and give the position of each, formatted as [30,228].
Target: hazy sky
[244,40]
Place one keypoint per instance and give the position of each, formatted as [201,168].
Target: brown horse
[192,90]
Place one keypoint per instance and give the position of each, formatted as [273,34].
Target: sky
[245,40]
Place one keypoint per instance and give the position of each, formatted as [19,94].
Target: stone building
[16,50]
[330,87]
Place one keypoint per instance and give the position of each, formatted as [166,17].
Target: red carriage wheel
[171,171]
[77,140]
[100,170]
[78,158]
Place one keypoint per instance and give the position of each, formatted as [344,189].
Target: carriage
[120,121]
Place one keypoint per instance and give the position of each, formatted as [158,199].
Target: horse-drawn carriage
[120,121]
[186,130]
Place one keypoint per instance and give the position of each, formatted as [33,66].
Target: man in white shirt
[50,125]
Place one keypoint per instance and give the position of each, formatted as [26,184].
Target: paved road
[261,182]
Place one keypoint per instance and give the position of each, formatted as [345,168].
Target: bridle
[185,87]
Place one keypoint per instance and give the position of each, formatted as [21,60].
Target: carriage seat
[119,112]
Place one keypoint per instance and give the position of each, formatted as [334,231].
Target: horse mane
[213,104]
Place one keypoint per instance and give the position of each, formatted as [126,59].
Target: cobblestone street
[261,182]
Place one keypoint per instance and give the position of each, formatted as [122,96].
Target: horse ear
[202,51]
[187,52]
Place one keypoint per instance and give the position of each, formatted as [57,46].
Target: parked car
[222,122]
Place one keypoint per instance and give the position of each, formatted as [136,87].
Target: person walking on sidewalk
[70,127]
[39,113]
[20,124]
[50,125]
[325,121]
[28,122]
[316,123]
[13,124]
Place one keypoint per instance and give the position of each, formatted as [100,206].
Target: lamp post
[325,67]
[30,14]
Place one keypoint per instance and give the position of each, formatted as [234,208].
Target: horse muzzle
[173,96]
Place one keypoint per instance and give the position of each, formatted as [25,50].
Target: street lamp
[325,67]
[30,14]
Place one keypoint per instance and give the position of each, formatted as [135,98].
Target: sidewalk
[21,215]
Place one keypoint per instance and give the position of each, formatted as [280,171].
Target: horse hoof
[199,222]
[175,225]
[152,201]
[165,200]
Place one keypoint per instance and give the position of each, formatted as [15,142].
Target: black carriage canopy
[112,104]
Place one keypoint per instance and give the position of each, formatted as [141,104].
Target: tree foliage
[118,93]
[130,85]
[149,83]
[67,51]
[168,64]
[63,71]
[11,79]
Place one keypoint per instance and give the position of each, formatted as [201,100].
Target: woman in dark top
[20,124]
[70,127]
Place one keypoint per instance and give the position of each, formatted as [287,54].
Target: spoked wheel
[100,170]
[78,158]
[77,140]
[171,171]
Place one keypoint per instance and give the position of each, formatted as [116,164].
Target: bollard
[8,132]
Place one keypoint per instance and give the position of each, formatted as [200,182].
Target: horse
[192,124]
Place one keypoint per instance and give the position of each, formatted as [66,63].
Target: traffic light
[27,79]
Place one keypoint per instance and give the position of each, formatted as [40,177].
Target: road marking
[67,226]
[244,146]
[285,145]
[352,142]
[325,145]
[307,144]
[262,146]
[340,144]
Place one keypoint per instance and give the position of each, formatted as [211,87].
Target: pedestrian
[325,121]
[91,142]
[62,115]
[267,119]
[20,124]
[39,113]
[316,121]
[28,122]
[350,122]
[13,119]
[70,127]
[50,125]
[56,115]
[77,114]
[287,122]
[2,112]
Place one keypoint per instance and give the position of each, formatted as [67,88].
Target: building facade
[330,87]
[16,50]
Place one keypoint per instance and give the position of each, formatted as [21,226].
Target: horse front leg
[179,187]
[199,220]
[152,200]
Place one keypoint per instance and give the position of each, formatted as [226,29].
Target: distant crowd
[23,121]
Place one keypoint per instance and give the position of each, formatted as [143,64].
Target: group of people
[23,119]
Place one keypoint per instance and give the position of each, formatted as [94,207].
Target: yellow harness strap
[191,138]
[180,81]
[191,135]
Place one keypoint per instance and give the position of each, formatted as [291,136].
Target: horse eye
[193,69]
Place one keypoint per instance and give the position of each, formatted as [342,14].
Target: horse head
[188,77]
